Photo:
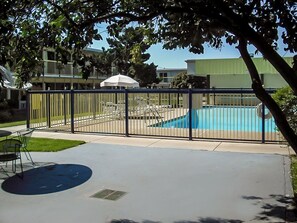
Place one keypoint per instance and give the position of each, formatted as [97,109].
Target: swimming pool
[222,118]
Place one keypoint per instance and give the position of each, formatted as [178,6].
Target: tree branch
[130,16]
[279,116]
[65,13]
[273,57]
[239,26]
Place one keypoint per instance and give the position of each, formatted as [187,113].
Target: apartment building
[58,76]
[233,73]
[167,75]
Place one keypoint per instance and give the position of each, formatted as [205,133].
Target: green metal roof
[234,66]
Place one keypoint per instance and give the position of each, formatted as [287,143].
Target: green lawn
[9,124]
[51,145]
[44,144]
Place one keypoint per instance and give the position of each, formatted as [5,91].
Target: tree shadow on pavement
[212,220]
[200,220]
[275,207]
[48,179]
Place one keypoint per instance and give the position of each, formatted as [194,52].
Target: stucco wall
[232,72]
[244,81]
[274,81]
[191,67]
[230,81]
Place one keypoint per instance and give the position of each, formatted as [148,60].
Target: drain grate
[109,194]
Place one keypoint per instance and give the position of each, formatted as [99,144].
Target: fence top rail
[144,90]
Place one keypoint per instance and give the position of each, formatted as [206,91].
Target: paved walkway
[207,145]
[162,181]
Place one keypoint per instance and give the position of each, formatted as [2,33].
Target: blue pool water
[222,118]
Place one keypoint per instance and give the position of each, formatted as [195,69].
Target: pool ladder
[155,114]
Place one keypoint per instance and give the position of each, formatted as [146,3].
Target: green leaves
[58,22]
[135,25]
[287,101]
[183,80]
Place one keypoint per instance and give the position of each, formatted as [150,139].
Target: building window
[51,55]
[163,76]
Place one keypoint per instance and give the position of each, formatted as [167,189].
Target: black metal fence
[184,113]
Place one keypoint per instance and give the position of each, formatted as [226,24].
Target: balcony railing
[56,68]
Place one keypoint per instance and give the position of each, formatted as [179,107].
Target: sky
[176,58]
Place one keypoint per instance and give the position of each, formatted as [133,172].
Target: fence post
[263,122]
[72,110]
[94,104]
[126,114]
[241,98]
[190,114]
[214,96]
[48,104]
[64,107]
[28,108]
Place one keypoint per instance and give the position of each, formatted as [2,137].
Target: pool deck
[164,180]
[151,142]
[204,145]
[144,123]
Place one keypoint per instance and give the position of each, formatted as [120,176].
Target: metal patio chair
[10,151]
[113,110]
[24,137]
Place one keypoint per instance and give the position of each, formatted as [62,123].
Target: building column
[8,93]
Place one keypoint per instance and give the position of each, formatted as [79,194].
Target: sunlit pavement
[162,181]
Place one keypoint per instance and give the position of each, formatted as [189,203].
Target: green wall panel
[234,66]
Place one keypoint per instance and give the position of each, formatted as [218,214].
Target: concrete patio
[164,181]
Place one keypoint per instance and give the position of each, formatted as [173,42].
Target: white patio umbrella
[14,87]
[9,81]
[6,76]
[119,81]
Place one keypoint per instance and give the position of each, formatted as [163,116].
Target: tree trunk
[279,116]
[287,72]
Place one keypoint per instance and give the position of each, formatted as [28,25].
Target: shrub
[13,103]
[5,116]
[183,80]
[287,101]
[6,112]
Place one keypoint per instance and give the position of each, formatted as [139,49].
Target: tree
[103,62]
[28,27]
[123,44]
[189,24]
[144,73]
[19,42]
[128,49]
[183,80]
